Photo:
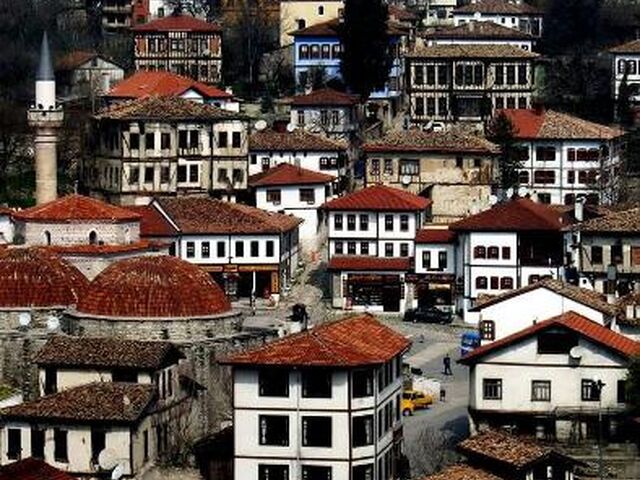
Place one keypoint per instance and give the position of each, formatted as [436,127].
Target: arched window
[93,237]
[479,252]
[481,283]
[47,237]
[493,252]
[506,283]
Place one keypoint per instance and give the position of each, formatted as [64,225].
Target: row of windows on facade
[541,390]
[323,51]
[442,260]
[221,249]
[630,67]
[495,283]
[338,248]
[184,174]
[305,195]
[549,154]
[545,177]
[616,256]
[464,106]
[325,163]
[320,472]
[327,117]
[469,75]
[187,140]
[198,46]
[528,25]
[186,69]
[493,252]
[338,222]
[412,167]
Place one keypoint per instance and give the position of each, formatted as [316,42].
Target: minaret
[45,117]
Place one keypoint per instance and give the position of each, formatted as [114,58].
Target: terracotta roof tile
[472,50]
[479,30]
[520,214]
[402,14]
[571,320]
[461,472]
[287,174]
[75,59]
[367,263]
[629,47]
[379,198]
[76,208]
[153,287]
[32,469]
[298,140]
[435,235]
[502,447]
[331,28]
[423,141]
[36,278]
[631,299]
[626,221]
[94,402]
[164,108]
[590,298]
[93,352]
[552,125]
[90,250]
[208,216]
[350,342]
[325,96]
[153,223]
[179,23]
[504,7]
[145,83]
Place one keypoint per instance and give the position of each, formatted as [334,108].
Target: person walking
[446,362]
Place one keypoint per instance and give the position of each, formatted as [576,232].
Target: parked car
[427,315]
[413,400]
[469,341]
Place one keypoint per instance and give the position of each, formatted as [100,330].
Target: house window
[364,222]
[351,223]
[545,197]
[546,154]
[165,141]
[337,221]
[540,390]
[239,248]
[362,383]
[404,249]
[431,74]
[191,249]
[544,176]
[316,384]
[419,106]
[404,223]
[364,248]
[556,342]
[351,248]
[37,443]
[493,252]
[235,139]
[222,139]
[164,174]
[194,139]
[60,452]
[616,254]
[511,74]
[254,248]
[98,442]
[205,250]
[134,175]
[300,117]
[499,75]
[488,330]
[50,381]
[442,260]
[182,139]
[506,253]
[621,391]
[194,173]
[274,430]
[14,443]
[388,166]
[338,248]
[221,249]
[418,75]
[492,388]
[388,223]
[149,141]
[481,283]
[409,167]
[388,249]
[273,472]
[307,195]
[145,436]
[134,141]
[495,283]
[506,283]
[316,431]
[426,259]
[274,196]
[479,252]
[148,174]
[375,166]
[182,173]
[303,52]
[523,177]
[362,472]
[326,51]
[273,383]
[571,177]
[362,430]
[316,472]
[590,391]
[270,248]
[596,255]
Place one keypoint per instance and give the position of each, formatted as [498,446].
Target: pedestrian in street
[443,394]
[446,362]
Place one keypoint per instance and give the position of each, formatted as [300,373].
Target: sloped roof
[76,58]
[331,28]
[633,299]
[573,321]
[625,221]
[325,96]
[520,214]
[123,403]
[287,174]
[479,30]
[164,108]
[461,471]
[435,235]
[208,216]
[180,23]
[364,263]
[106,352]
[552,125]
[379,198]
[630,47]
[97,249]
[503,7]
[424,141]
[145,83]
[298,141]
[402,14]
[32,469]
[590,298]
[76,208]
[472,50]
[153,223]
[350,342]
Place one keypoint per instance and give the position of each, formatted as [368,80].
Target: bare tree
[431,451]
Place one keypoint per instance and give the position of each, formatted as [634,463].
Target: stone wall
[77,233]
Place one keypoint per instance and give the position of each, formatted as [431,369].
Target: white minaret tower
[45,117]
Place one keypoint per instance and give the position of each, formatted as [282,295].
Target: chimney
[578,208]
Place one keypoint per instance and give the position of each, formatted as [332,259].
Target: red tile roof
[500,7]
[195,215]
[298,140]
[94,352]
[479,30]
[153,287]
[91,250]
[32,469]
[435,235]
[331,28]
[500,446]
[121,403]
[153,223]
[177,23]
[36,278]
[76,208]
[461,472]
[287,174]
[402,14]
[552,125]
[165,107]
[423,141]
[6,211]
[520,214]
[145,83]
[473,50]
[325,96]
[350,342]
[570,320]
[370,264]
[379,198]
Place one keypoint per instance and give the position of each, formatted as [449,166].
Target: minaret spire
[45,68]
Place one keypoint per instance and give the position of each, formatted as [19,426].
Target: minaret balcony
[45,118]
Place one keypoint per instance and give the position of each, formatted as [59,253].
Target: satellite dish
[260,125]
[290,127]
[406,180]
[576,352]
[522,191]
[493,199]
[107,459]
[118,472]
[53,323]
[24,319]
[509,192]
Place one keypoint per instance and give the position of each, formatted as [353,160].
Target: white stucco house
[479,32]
[434,266]
[6,226]
[552,379]
[510,13]
[322,404]
[84,74]
[296,191]
[625,60]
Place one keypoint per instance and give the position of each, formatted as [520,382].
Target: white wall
[6,229]
[435,249]
[230,249]
[309,160]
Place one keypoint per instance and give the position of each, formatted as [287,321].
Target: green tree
[501,131]
[633,386]
[366,59]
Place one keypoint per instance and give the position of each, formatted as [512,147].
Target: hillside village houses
[626,68]
[299,14]
[479,33]
[86,74]
[510,13]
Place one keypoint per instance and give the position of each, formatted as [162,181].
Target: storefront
[244,281]
[433,290]
[374,290]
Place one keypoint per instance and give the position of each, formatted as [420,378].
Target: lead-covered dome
[153,287]
[37,278]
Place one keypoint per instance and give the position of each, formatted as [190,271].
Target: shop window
[488,329]
[274,430]
[492,389]
[273,383]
